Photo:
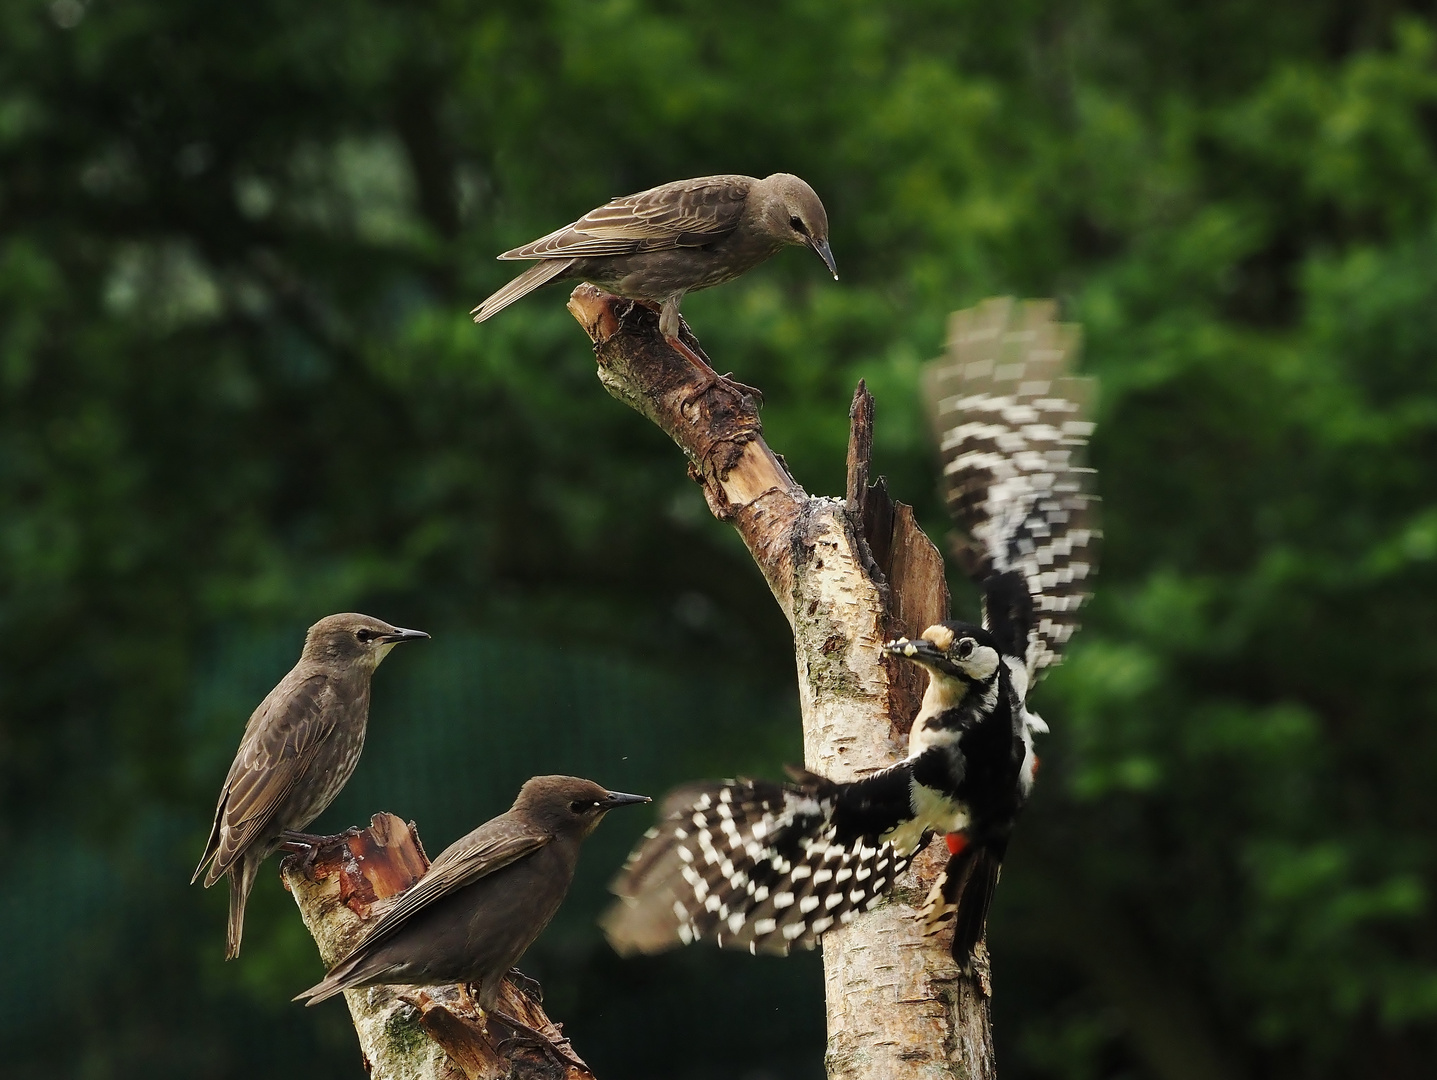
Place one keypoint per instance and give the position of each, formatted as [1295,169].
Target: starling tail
[539,274]
[241,882]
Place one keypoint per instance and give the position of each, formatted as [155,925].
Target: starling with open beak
[299,750]
[674,239]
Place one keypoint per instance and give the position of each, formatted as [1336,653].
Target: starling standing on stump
[673,239]
[299,749]
[484,900]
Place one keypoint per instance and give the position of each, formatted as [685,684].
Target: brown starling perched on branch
[485,898]
[299,749]
[673,239]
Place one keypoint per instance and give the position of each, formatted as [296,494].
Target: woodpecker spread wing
[1012,424]
[685,213]
[760,866]
[277,747]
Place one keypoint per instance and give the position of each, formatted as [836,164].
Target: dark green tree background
[239,390]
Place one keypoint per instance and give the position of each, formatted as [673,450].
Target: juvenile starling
[673,239]
[485,898]
[299,749]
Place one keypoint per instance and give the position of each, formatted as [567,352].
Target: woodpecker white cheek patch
[981,663]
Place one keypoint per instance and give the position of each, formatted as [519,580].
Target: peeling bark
[849,574]
[409,1033]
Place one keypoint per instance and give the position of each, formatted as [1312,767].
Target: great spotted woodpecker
[767,866]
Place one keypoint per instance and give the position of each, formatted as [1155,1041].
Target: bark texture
[408,1033]
[849,574]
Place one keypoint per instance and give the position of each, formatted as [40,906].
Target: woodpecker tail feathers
[540,273]
[749,865]
[961,896]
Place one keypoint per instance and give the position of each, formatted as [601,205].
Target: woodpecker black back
[769,866]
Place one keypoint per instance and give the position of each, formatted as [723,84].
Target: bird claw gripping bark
[526,1035]
[530,988]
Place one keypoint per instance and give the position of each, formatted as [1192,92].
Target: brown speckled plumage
[299,749]
[484,900]
[659,244]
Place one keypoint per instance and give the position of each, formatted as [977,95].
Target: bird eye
[580,805]
[965,648]
[366,635]
[796,223]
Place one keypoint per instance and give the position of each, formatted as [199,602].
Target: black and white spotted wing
[751,865]
[1012,424]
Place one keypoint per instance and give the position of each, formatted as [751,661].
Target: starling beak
[675,239]
[618,798]
[485,898]
[401,634]
[826,254]
[299,749]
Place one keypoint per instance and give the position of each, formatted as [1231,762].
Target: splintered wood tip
[594,311]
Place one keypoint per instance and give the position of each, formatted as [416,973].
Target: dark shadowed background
[239,390]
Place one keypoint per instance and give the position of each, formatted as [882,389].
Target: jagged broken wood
[848,574]
[408,1033]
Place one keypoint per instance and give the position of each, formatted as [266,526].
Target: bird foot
[523,1033]
[304,844]
[290,840]
[530,988]
[710,377]
[728,381]
[466,1000]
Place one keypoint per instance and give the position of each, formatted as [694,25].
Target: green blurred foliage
[238,390]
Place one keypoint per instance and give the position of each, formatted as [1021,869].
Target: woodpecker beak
[400,634]
[824,253]
[618,798]
[921,651]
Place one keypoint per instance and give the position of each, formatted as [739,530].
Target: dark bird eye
[580,805]
[797,225]
[965,649]
[366,636]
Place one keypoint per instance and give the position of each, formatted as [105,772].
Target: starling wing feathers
[277,748]
[492,846]
[686,213]
[1012,425]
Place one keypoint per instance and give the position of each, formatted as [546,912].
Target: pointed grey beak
[618,798]
[401,634]
[826,254]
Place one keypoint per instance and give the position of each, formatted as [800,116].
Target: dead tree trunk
[406,1033]
[849,574]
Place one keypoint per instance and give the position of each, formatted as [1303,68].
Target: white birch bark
[898,1009]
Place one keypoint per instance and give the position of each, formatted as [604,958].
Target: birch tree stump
[409,1033]
[848,574]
